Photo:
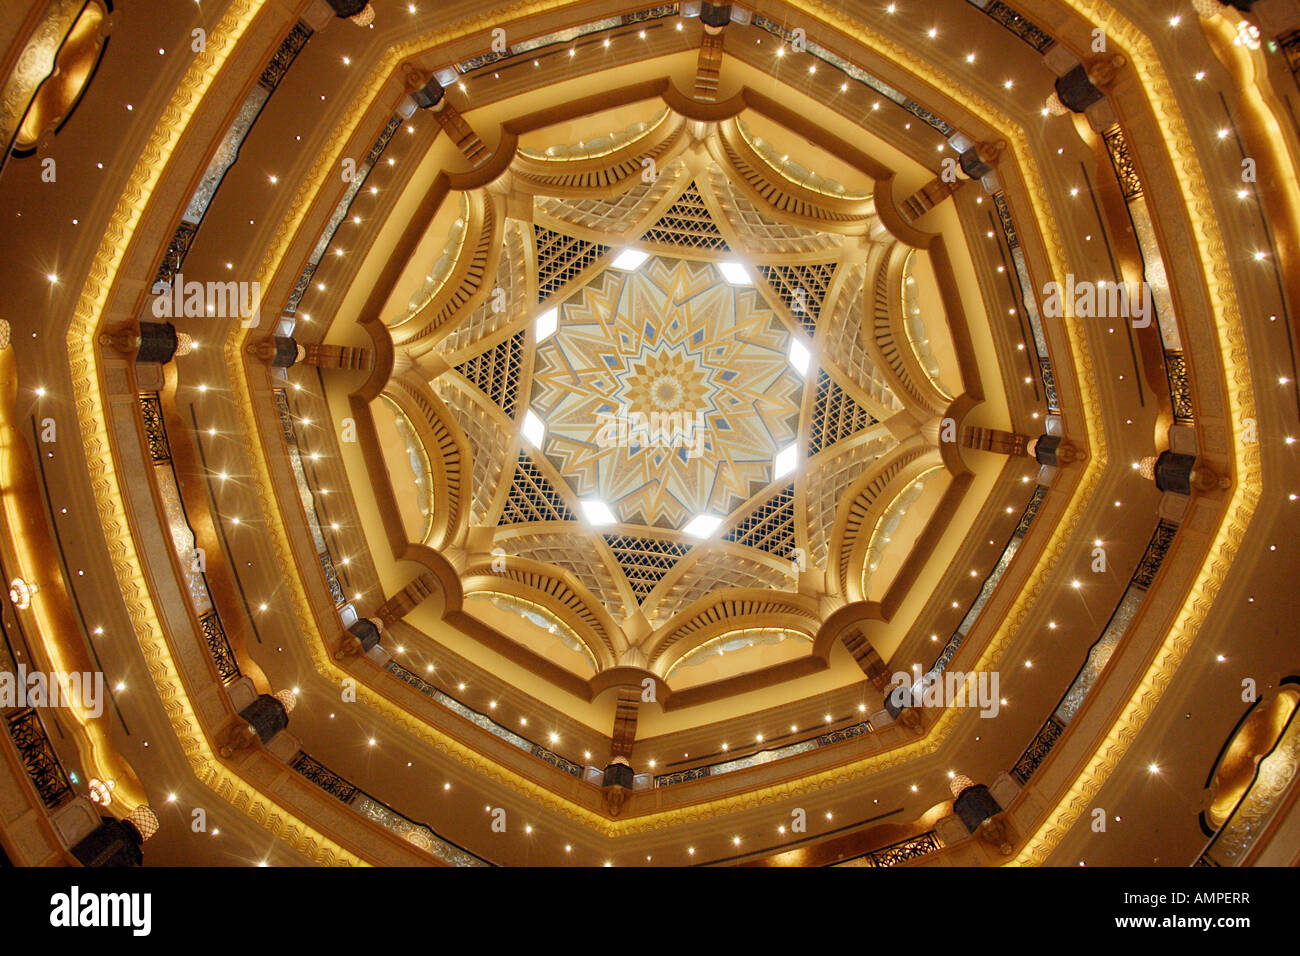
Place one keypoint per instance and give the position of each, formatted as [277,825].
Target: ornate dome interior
[576,433]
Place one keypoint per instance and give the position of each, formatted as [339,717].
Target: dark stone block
[1174,472]
[266,716]
[1076,91]
[974,805]
[158,342]
[113,843]
[715,14]
[364,630]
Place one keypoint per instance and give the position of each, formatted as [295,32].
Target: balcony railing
[417,834]
[39,759]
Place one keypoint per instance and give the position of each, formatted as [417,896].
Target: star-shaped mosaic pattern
[666,392]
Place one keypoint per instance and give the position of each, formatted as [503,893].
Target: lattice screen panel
[770,527]
[532,497]
[496,372]
[615,215]
[762,233]
[645,561]
[827,485]
[802,288]
[841,336]
[836,416]
[561,258]
[716,570]
[688,223]
[574,553]
[487,441]
[483,321]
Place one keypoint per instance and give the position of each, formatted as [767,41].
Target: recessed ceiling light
[701,526]
[547,323]
[735,273]
[534,429]
[597,512]
[630,259]
[785,461]
[799,355]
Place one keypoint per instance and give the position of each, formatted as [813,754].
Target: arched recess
[862,506]
[1242,766]
[773,191]
[557,590]
[602,174]
[465,285]
[447,450]
[885,333]
[719,613]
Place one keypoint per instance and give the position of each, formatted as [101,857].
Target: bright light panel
[800,357]
[735,273]
[597,512]
[630,259]
[534,429]
[701,526]
[547,323]
[785,461]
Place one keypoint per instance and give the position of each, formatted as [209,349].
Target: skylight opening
[597,512]
[547,323]
[630,259]
[786,460]
[799,356]
[735,273]
[534,429]
[701,526]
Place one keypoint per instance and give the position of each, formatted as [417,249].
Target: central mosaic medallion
[666,392]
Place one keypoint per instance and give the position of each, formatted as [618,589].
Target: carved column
[868,659]
[365,633]
[708,68]
[994,440]
[619,775]
[979,812]
[285,352]
[928,196]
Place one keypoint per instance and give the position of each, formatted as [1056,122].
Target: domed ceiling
[623,404]
[667,387]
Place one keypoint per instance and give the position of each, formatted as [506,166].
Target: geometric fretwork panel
[770,527]
[841,337]
[532,497]
[666,392]
[715,570]
[576,554]
[802,288]
[496,372]
[687,223]
[759,232]
[486,319]
[645,561]
[560,259]
[836,416]
[487,440]
[827,485]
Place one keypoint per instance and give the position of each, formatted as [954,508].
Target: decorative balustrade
[896,854]
[417,834]
[214,635]
[1099,654]
[39,759]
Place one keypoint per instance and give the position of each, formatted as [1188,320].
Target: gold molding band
[324,661]
[92,418]
[1241,400]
